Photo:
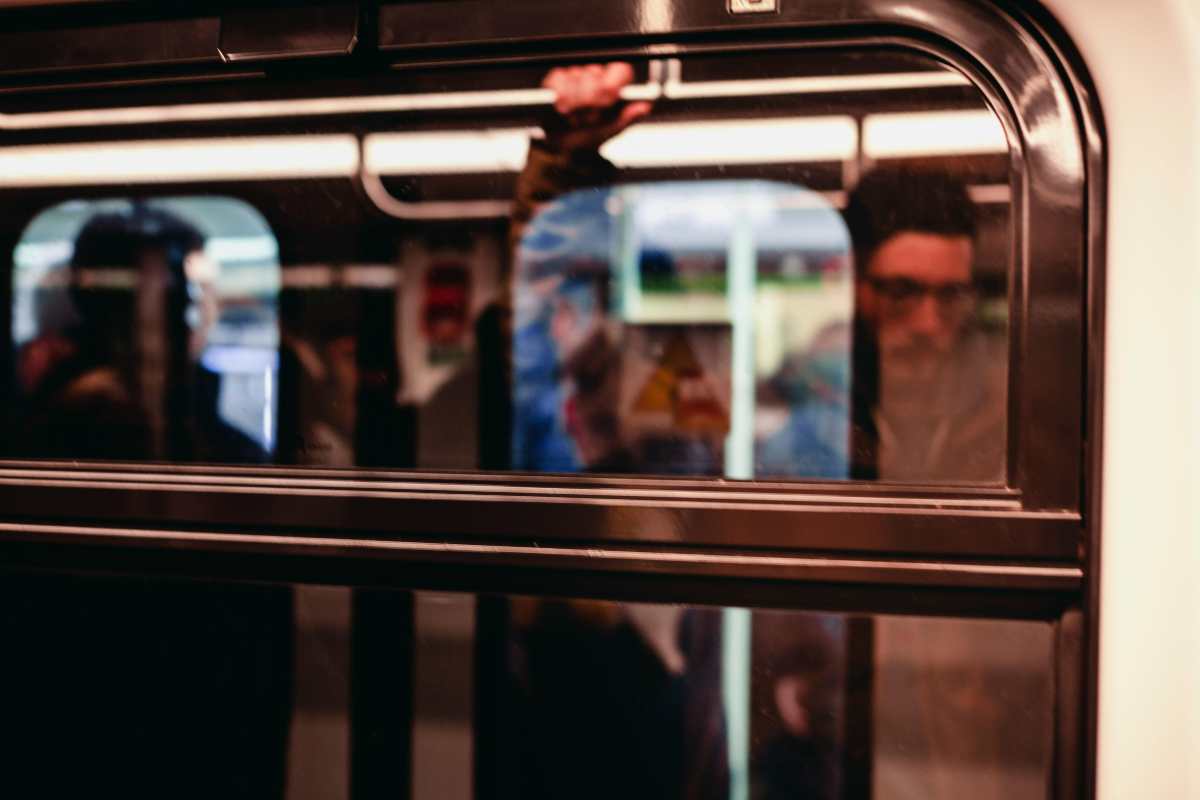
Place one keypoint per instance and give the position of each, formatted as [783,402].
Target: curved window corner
[788,267]
[146,329]
[456,417]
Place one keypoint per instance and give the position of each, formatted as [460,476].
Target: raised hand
[589,106]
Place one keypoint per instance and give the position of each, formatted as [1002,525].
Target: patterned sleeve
[549,174]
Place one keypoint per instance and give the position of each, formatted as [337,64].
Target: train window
[688,407]
[778,267]
[284,692]
[147,328]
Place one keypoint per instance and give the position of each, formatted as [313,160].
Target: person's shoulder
[984,362]
[97,386]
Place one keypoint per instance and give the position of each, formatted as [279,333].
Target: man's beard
[911,376]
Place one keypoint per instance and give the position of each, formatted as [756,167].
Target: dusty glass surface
[153,688]
[786,266]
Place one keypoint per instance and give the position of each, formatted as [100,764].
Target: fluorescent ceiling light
[933,133]
[990,193]
[761,141]
[322,276]
[664,144]
[447,152]
[183,160]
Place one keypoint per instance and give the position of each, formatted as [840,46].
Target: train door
[443,400]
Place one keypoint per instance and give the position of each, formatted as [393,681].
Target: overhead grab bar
[664,82]
[385,201]
[315,106]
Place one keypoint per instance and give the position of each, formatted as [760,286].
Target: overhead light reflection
[762,141]
[931,133]
[447,152]
[488,151]
[180,160]
[813,85]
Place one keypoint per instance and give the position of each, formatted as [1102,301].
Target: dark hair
[120,238]
[110,239]
[892,199]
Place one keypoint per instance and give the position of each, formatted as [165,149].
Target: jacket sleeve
[549,174]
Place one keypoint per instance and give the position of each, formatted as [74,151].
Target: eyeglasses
[902,295]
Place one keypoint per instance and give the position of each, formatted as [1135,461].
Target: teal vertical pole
[623,205]
[741,269]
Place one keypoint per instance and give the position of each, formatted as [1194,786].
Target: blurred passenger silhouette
[802,758]
[929,387]
[605,699]
[139,688]
[122,378]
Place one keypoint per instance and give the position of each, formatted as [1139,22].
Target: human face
[202,274]
[917,295]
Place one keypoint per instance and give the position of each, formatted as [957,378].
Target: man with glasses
[929,385]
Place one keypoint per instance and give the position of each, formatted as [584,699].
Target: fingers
[587,98]
[629,115]
[632,113]
[614,77]
[588,86]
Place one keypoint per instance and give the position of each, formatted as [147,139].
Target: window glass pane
[647,318]
[153,688]
[786,266]
[147,328]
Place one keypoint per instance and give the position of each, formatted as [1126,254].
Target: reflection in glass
[737,279]
[161,688]
[647,317]
[147,330]
[929,377]
[962,708]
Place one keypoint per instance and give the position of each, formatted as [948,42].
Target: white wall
[1144,56]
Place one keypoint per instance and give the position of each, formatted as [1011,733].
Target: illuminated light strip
[322,276]
[371,276]
[184,160]
[763,141]
[815,85]
[103,278]
[649,144]
[447,152]
[812,200]
[933,133]
[307,276]
[990,193]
